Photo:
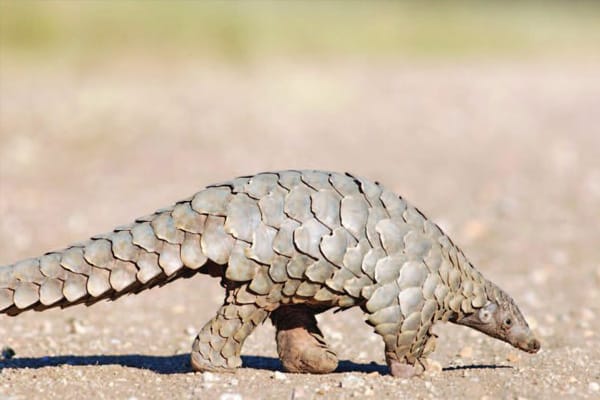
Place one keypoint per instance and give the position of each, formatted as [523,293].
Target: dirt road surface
[505,157]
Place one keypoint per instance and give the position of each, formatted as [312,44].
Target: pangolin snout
[531,346]
[523,339]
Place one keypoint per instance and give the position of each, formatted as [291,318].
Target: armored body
[286,245]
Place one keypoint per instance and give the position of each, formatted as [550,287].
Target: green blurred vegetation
[251,30]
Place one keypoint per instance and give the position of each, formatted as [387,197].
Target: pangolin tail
[150,252]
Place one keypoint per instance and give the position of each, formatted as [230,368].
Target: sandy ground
[503,157]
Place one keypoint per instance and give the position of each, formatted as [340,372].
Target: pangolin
[286,245]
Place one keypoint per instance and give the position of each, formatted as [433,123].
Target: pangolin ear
[486,313]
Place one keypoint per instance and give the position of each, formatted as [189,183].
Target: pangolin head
[501,318]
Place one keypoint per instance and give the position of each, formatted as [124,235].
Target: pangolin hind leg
[300,343]
[218,346]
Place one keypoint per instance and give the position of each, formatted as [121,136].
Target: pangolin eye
[508,322]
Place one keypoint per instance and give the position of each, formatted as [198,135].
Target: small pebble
[351,382]
[280,376]
[230,396]
[298,393]
[7,353]
[209,377]
[77,326]
[594,386]
[513,357]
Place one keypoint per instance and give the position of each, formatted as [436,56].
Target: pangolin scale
[286,245]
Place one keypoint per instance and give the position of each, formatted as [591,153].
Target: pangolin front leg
[407,362]
[218,346]
[300,343]
[405,324]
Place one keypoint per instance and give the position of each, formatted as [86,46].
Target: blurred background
[454,104]
[484,114]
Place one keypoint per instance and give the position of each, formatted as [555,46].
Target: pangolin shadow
[179,364]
